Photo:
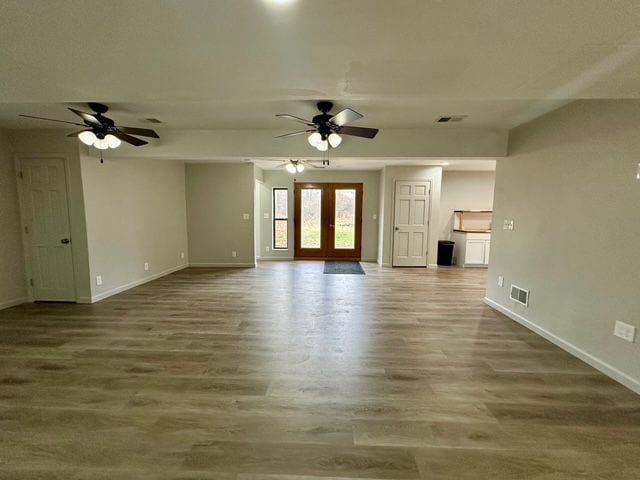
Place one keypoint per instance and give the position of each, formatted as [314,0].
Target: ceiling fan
[327,128]
[294,165]
[101,131]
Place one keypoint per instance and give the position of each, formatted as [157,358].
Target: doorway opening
[328,221]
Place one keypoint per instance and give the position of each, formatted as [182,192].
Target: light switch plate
[233,254]
[245,216]
[98,279]
[181,254]
[500,281]
[266,215]
[375,216]
[146,266]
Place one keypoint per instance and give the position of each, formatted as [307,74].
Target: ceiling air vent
[450,118]
[520,295]
[153,120]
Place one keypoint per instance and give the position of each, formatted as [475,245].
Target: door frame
[18,159]
[393,220]
[327,207]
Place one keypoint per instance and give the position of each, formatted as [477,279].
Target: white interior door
[46,220]
[411,224]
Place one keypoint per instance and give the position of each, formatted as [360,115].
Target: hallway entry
[328,220]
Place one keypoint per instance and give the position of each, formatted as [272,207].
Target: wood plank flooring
[281,372]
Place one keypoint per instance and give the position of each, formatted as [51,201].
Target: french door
[328,220]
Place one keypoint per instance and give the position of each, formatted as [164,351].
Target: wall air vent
[153,120]
[450,118]
[520,295]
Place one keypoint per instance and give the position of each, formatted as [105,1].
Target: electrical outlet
[98,279]
[375,216]
[508,225]
[625,331]
[500,281]
[266,249]
[245,216]
[233,254]
[146,266]
[266,215]
[181,254]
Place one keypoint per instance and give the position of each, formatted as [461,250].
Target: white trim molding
[127,286]
[602,366]
[13,302]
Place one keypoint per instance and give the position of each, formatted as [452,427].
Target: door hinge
[31,282]
[26,230]
[20,174]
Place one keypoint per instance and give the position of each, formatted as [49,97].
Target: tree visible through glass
[311,215]
[345,219]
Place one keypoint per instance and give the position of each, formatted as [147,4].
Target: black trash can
[445,252]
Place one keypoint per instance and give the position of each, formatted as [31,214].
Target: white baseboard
[223,265]
[384,264]
[135,283]
[432,265]
[586,357]
[13,302]
[275,259]
[369,260]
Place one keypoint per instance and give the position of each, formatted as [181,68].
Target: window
[280,218]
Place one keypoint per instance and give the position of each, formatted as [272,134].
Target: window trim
[274,218]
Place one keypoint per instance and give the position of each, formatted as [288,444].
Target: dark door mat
[349,268]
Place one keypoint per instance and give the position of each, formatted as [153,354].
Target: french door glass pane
[311,216]
[345,225]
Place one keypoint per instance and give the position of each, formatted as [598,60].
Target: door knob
[397,228]
[65,241]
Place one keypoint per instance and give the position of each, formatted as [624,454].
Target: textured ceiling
[234,64]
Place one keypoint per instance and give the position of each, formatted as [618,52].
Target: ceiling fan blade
[52,120]
[129,139]
[143,132]
[312,165]
[297,119]
[358,131]
[345,116]
[87,117]
[75,134]
[294,133]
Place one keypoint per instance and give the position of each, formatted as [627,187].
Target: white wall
[436,141]
[570,187]
[217,197]
[280,178]
[391,174]
[463,191]
[13,289]
[135,213]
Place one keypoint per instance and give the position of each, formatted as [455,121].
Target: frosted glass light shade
[314,139]
[87,137]
[101,144]
[300,168]
[112,141]
[291,168]
[323,146]
[335,140]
